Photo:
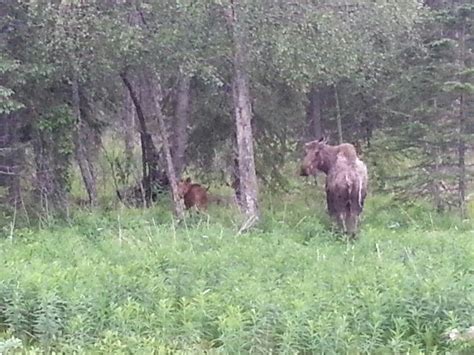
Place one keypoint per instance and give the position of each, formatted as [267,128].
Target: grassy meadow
[133,281]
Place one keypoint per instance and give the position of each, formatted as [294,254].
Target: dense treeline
[233,88]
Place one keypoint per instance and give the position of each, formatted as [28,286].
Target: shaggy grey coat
[346,180]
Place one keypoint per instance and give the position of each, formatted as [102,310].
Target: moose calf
[193,194]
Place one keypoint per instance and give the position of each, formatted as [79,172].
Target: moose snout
[303,171]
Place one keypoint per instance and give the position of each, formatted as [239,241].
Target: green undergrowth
[134,281]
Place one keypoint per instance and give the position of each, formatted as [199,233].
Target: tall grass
[133,281]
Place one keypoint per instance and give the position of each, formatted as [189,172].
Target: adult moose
[346,180]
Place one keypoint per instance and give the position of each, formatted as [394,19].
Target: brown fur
[346,180]
[194,195]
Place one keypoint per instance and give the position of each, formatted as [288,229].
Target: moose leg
[333,215]
[351,224]
[335,202]
[330,203]
[342,222]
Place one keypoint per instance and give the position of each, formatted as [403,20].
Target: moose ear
[310,144]
[315,144]
[323,140]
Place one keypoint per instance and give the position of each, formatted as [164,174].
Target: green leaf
[458,87]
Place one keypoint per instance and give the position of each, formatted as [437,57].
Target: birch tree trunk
[243,117]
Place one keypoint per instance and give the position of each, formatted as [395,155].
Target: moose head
[315,157]
[184,186]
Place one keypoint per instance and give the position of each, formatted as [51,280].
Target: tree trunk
[178,205]
[150,154]
[182,116]
[461,159]
[235,176]
[313,114]
[80,141]
[338,116]
[243,118]
[128,128]
[368,128]
[462,140]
